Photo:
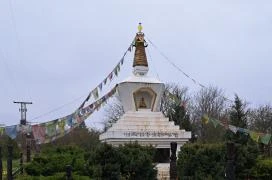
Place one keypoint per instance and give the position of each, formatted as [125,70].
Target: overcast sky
[52,52]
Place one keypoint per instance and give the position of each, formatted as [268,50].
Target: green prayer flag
[61,125]
[205,119]
[51,129]
[254,136]
[115,71]
[95,93]
[118,67]
[2,129]
[266,138]
[215,122]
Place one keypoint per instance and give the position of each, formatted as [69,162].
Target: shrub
[262,169]
[201,161]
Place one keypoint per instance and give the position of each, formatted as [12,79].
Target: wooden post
[173,161]
[230,169]
[28,152]
[68,172]
[9,163]
[21,163]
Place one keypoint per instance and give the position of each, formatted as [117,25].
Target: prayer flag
[51,128]
[243,130]
[129,49]
[98,107]
[2,129]
[215,122]
[61,126]
[82,105]
[78,118]
[88,97]
[254,136]
[122,61]
[105,81]
[205,119]
[118,67]
[100,86]
[225,123]
[25,128]
[95,93]
[266,138]
[38,131]
[69,120]
[234,129]
[115,71]
[11,131]
[110,76]
[103,99]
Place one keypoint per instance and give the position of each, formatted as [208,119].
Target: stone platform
[147,128]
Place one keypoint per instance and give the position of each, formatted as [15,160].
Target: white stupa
[143,121]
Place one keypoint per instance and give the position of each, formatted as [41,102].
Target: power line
[57,108]
[78,98]
[13,22]
[9,72]
[179,69]
[153,63]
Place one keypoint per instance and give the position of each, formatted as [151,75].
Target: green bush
[57,176]
[54,160]
[201,161]
[130,161]
[262,169]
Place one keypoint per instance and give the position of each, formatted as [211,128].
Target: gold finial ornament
[140,64]
[140,27]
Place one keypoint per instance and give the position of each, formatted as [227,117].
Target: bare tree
[173,95]
[260,119]
[113,112]
[209,101]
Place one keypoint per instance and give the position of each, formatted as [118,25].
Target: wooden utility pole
[23,111]
[25,142]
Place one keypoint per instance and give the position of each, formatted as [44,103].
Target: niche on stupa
[144,98]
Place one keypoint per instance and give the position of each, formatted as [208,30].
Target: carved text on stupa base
[150,134]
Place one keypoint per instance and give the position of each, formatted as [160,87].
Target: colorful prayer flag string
[255,136]
[115,71]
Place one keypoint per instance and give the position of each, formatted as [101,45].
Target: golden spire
[140,45]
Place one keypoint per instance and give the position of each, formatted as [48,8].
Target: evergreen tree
[246,150]
[181,117]
[238,113]
[238,117]
[174,106]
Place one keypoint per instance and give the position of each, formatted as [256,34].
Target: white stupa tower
[143,121]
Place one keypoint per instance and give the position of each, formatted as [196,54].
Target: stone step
[144,118]
[163,171]
[143,114]
[141,122]
[131,128]
[144,126]
[125,124]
